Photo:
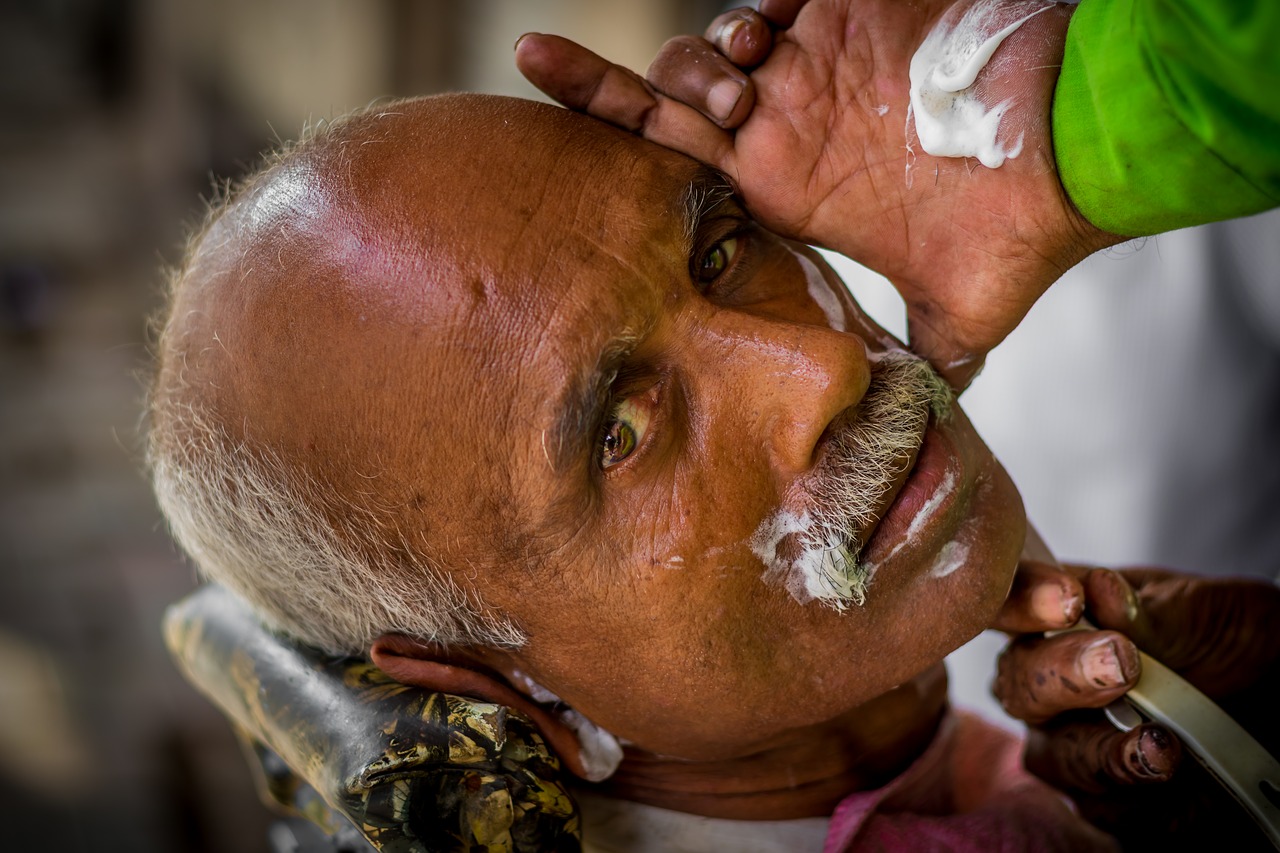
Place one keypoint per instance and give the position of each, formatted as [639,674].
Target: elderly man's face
[543,338]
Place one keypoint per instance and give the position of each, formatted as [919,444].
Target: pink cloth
[968,792]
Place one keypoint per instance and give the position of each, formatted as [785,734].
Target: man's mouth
[868,456]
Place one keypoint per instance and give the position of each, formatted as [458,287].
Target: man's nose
[781,382]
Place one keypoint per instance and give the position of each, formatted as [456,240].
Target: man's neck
[806,772]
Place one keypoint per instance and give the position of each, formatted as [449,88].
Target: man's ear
[432,667]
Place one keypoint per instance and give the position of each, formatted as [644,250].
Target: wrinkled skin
[821,150]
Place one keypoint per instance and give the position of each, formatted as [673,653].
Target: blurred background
[116,118]
[1137,408]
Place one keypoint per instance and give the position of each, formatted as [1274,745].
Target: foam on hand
[950,119]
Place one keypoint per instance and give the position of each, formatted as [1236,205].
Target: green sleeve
[1167,112]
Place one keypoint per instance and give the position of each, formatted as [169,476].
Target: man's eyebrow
[707,190]
[581,409]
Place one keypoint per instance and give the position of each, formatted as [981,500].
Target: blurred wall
[119,117]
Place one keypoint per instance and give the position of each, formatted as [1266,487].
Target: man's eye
[717,259]
[623,432]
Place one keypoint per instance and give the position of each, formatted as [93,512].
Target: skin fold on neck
[804,774]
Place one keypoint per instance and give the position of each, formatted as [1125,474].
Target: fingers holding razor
[1038,678]
[1044,597]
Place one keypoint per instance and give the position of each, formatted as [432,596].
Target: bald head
[320,379]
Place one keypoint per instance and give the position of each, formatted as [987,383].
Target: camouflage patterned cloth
[414,771]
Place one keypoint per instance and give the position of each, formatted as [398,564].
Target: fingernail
[1101,664]
[1130,604]
[1118,588]
[1056,605]
[724,39]
[722,98]
[522,38]
[1137,762]
[1072,606]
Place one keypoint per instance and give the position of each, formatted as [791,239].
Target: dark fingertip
[748,43]
[1110,660]
[1115,603]
[1130,662]
[1152,754]
[1071,598]
[1057,605]
[1130,600]
[726,35]
[742,36]
[1158,738]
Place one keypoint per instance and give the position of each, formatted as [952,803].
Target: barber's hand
[818,141]
[1219,634]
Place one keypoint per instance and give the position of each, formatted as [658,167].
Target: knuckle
[679,47]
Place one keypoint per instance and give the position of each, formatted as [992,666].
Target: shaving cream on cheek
[950,557]
[954,554]
[808,569]
[950,119]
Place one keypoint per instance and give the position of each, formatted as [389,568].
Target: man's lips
[930,490]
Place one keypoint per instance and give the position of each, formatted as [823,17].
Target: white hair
[311,562]
[313,565]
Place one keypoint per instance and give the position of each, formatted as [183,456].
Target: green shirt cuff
[1167,112]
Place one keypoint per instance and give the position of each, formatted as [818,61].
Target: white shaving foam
[911,152]
[821,292]
[950,120]
[950,557]
[536,691]
[601,753]
[926,512]
[821,571]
